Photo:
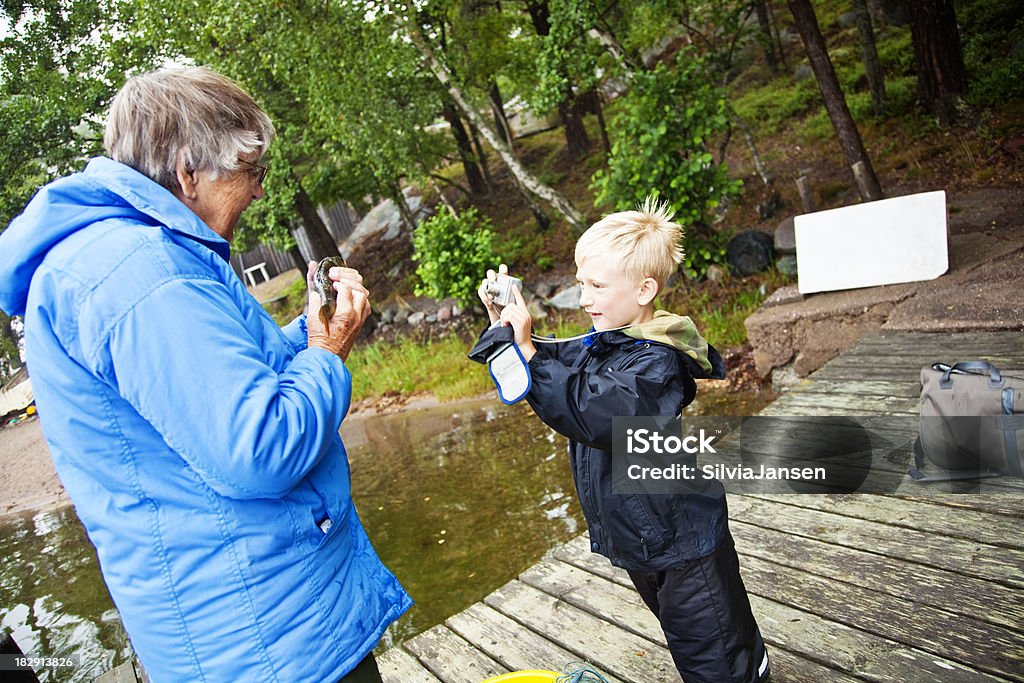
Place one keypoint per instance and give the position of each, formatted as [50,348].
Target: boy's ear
[648,290]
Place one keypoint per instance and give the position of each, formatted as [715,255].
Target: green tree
[660,138]
[61,61]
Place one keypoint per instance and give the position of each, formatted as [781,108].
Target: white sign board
[903,239]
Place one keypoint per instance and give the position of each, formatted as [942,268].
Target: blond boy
[637,361]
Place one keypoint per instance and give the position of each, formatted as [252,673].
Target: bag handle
[995,380]
[917,475]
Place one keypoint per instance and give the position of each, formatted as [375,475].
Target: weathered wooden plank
[398,666]
[930,353]
[975,343]
[509,642]
[908,366]
[802,646]
[451,658]
[622,654]
[970,558]
[916,515]
[859,387]
[976,644]
[848,404]
[601,597]
[983,600]
[124,673]
[880,469]
[851,650]
[784,406]
[1001,504]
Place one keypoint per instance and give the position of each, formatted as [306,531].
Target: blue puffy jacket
[197,439]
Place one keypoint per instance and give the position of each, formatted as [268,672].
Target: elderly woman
[197,439]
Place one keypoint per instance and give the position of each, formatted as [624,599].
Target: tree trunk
[317,236]
[577,142]
[474,176]
[759,166]
[941,76]
[482,156]
[766,39]
[527,180]
[846,130]
[296,256]
[500,120]
[591,101]
[872,65]
[398,197]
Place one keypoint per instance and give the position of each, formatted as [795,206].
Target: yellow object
[31,410]
[534,676]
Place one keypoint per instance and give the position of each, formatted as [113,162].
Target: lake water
[458,499]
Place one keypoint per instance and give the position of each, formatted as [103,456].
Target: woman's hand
[352,307]
[518,317]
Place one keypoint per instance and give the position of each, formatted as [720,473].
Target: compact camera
[501,289]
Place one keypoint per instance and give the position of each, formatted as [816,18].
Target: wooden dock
[923,584]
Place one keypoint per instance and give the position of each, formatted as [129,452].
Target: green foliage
[660,143]
[703,251]
[10,357]
[992,37]
[564,61]
[452,253]
[60,64]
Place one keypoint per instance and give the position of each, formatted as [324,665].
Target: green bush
[660,143]
[452,253]
[703,251]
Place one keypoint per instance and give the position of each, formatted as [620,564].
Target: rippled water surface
[458,500]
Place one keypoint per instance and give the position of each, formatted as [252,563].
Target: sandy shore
[27,478]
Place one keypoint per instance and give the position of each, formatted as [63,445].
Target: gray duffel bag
[972,422]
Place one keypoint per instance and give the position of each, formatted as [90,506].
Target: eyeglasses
[261,171]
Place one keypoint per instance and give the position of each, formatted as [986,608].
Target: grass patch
[438,366]
[289,304]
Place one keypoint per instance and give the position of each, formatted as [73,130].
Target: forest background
[716,107]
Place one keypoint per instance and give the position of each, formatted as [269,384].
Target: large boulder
[386,218]
[750,252]
[567,299]
[785,236]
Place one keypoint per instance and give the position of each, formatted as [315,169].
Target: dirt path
[27,478]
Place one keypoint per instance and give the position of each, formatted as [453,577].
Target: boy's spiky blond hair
[647,241]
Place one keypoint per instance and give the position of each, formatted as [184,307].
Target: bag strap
[995,380]
[917,475]
[1010,425]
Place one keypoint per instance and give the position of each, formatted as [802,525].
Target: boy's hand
[518,317]
[492,311]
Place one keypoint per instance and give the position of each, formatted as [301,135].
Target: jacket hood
[679,332]
[105,189]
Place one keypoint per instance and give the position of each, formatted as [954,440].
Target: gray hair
[195,113]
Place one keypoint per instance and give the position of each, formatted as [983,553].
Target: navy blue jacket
[577,388]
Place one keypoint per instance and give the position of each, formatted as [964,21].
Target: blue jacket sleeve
[186,362]
[297,333]
[580,404]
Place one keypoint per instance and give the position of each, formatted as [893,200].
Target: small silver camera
[501,289]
